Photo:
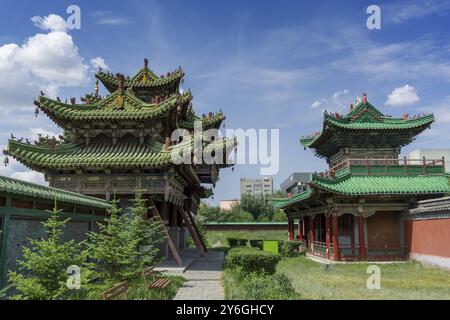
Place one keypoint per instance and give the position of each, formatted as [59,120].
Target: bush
[242,242]
[252,260]
[232,242]
[276,287]
[256,244]
[294,248]
[254,286]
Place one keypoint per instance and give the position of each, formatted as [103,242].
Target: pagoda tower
[358,208]
[115,145]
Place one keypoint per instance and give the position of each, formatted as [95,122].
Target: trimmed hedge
[256,243]
[252,260]
[232,242]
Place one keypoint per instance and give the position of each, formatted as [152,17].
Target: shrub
[232,242]
[274,287]
[256,243]
[252,260]
[294,248]
[254,286]
[242,242]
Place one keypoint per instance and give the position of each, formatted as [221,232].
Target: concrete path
[203,277]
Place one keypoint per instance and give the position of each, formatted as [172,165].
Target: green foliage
[112,250]
[252,260]
[145,233]
[279,216]
[232,242]
[45,261]
[259,207]
[255,286]
[294,248]
[256,243]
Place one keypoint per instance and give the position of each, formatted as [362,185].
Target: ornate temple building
[359,209]
[115,145]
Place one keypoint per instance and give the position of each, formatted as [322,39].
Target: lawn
[406,280]
[219,238]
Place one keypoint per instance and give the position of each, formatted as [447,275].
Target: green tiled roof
[372,185]
[130,108]
[111,82]
[207,122]
[23,188]
[280,203]
[365,117]
[386,185]
[97,155]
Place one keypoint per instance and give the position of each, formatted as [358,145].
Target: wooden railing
[387,166]
[374,252]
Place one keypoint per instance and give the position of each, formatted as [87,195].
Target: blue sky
[267,64]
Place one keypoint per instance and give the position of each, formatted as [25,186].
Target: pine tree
[44,264]
[145,233]
[111,251]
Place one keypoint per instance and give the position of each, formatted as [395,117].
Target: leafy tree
[112,250]
[145,233]
[45,262]
[279,216]
[258,207]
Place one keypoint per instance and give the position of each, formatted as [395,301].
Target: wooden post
[311,234]
[336,253]
[443,164]
[424,165]
[362,246]
[173,216]
[327,235]
[290,229]
[352,235]
[300,228]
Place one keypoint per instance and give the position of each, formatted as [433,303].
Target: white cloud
[99,62]
[109,18]
[402,96]
[52,22]
[43,62]
[338,94]
[316,104]
[402,11]
[30,176]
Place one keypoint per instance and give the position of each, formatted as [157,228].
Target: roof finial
[121,79]
[364,98]
[145,63]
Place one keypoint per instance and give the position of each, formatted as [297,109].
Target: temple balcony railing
[386,166]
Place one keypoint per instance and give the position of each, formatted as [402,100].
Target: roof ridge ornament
[145,75]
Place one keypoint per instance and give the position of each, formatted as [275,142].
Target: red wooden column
[362,246]
[311,234]
[352,235]
[327,235]
[300,228]
[290,229]
[334,222]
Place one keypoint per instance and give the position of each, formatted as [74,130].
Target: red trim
[362,245]
[311,234]
[327,235]
[336,254]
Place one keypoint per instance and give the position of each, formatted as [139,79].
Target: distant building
[256,186]
[431,153]
[297,182]
[227,205]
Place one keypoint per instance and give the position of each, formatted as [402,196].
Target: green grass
[408,280]
[219,238]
